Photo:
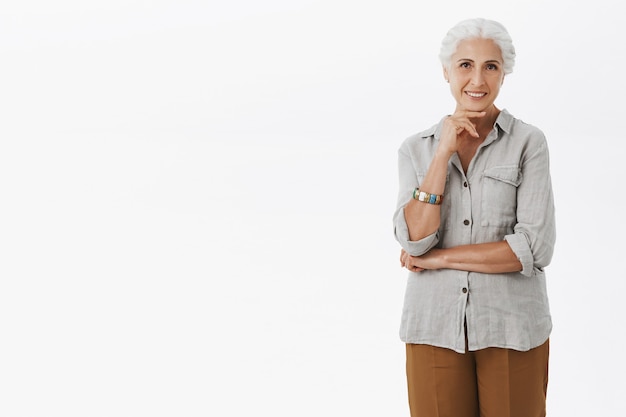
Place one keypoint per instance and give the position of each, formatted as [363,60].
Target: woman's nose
[477,77]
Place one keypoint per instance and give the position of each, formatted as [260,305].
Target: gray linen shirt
[506,194]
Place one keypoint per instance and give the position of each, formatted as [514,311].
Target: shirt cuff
[521,248]
[417,247]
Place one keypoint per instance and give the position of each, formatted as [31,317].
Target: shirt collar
[505,121]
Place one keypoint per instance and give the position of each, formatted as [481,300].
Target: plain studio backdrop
[196,200]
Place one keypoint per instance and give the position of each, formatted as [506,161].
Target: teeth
[476,95]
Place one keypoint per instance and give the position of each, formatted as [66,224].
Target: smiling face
[475,74]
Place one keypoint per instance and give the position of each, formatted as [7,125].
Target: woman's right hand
[453,128]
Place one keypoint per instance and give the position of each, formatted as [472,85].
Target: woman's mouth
[475,94]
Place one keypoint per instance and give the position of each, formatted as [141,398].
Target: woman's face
[475,74]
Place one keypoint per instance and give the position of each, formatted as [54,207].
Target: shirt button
[465,184]
[464,290]
[466,222]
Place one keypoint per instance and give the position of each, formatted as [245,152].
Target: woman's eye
[492,67]
[465,65]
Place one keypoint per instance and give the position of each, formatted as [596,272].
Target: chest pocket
[499,196]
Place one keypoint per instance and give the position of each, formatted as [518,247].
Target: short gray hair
[478,28]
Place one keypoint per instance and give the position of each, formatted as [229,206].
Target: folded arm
[489,258]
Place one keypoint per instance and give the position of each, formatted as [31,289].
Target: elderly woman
[475,219]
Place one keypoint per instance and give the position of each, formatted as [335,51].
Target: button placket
[465,191]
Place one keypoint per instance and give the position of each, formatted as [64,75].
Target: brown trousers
[491,382]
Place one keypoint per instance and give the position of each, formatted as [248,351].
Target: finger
[465,114]
[461,124]
[472,130]
[472,114]
[467,125]
[469,114]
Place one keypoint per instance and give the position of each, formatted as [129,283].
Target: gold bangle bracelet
[425,197]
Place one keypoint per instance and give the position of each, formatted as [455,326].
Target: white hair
[482,29]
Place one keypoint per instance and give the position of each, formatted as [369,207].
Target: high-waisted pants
[491,382]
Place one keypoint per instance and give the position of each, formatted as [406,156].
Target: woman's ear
[445,73]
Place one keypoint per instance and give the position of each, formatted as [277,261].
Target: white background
[196,200]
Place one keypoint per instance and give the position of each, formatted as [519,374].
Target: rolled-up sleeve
[408,181]
[534,234]
[417,247]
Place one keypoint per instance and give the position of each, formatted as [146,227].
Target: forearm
[423,219]
[489,258]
